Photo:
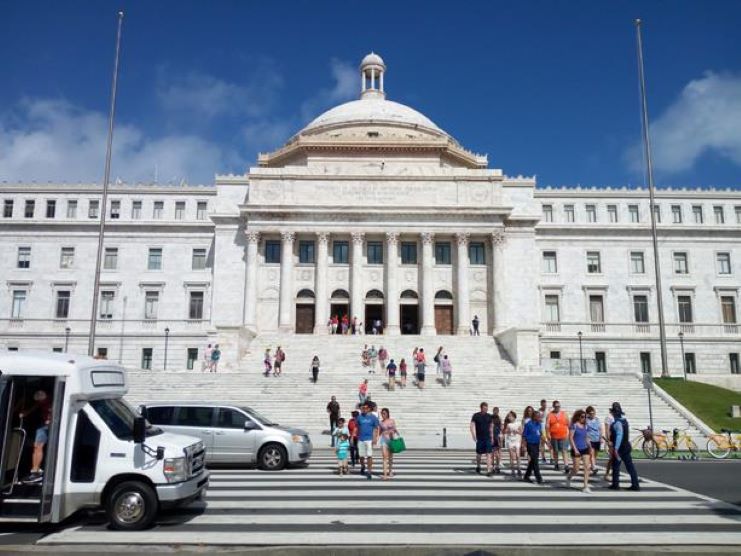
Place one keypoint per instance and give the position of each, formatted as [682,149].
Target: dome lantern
[372,69]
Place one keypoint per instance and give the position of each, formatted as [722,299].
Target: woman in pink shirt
[363,391]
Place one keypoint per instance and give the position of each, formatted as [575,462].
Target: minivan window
[194,416]
[119,418]
[259,418]
[231,419]
[160,415]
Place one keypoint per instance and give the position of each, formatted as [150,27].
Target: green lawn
[710,403]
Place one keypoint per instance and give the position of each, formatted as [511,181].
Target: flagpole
[104,201]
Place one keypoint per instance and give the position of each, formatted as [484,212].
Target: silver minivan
[232,434]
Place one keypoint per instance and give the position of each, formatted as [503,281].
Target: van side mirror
[250,425]
[139,430]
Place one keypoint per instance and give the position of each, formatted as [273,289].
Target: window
[550,263]
[720,216]
[408,252]
[191,358]
[640,309]
[591,213]
[187,416]
[306,252]
[646,362]
[657,214]
[154,261]
[151,304]
[51,209]
[555,355]
[272,251]
[697,214]
[230,419]
[724,263]
[102,352]
[476,253]
[737,209]
[569,213]
[157,209]
[106,304]
[72,208]
[147,358]
[728,309]
[690,365]
[634,214]
[93,208]
[195,307]
[67,257]
[136,210]
[340,251]
[548,213]
[596,309]
[201,209]
[62,304]
[179,210]
[115,210]
[199,259]
[680,263]
[30,209]
[374,252]
[637,264]
[601,359]
[733,360]
[552,311]
[24,257]
[684,304]
[19,302]
[612,213]
[676,214]
[594,263]
[84,450]
[160,415]
[442,252]
[8,208]
[110,258]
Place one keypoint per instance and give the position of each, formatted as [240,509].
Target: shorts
[483,446]
[596,446]
[512,444]
[582,452]
[42,435]
[365,448]
[421,377]
[558,444]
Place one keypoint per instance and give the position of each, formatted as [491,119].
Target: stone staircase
[479,374]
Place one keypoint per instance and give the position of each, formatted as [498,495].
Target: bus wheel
[132,506]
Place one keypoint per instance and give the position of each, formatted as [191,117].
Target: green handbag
[397,445]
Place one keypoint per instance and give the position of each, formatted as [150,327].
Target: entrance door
[339,310]
[372,314]
[444,319]
[304,319]
[409,319]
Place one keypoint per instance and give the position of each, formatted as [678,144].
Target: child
[343,449]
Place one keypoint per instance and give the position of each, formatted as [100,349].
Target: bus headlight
[175,470]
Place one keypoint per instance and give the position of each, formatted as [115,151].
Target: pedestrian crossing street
[436,498]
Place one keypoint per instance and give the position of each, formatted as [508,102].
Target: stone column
[463,306]
[250,299]
[285,321]
[321,300]
[392,327]
[498,293]
[356,278]
[428,292]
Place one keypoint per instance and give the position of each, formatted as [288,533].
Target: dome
[372,59]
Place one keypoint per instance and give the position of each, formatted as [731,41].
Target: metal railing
[632,329]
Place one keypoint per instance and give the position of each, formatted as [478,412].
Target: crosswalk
[435,498]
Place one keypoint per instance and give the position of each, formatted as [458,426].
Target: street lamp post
[167,337]
[66,338]
[684,361]
[581,354]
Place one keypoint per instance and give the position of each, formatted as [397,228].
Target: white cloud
[346,86]
[703,119]
[54,140]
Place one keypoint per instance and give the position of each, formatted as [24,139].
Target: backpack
[282,356]
[436,359]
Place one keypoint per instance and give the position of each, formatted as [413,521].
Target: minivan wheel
[272,457]
[131,506]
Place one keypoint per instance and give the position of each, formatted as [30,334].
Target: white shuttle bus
[69,441]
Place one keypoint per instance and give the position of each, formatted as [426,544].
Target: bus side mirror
[139,430]
[160,453]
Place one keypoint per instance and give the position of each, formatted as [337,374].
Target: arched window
[340,294]
[305,294]
[444,294]
[409,294]
[374,294]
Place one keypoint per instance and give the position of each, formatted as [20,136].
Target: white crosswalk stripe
[435,498]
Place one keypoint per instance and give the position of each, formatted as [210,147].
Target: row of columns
[357,300]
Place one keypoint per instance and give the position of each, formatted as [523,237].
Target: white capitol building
[374,211]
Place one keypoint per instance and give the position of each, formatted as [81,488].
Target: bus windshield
[119,416]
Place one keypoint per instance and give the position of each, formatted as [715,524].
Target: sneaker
[566,469]
[541,482]
[497,471]
[519,474]
[634,488]
[368,476]
[586,490]
[556,468]
[568,481]
[478,469]
[527,480]
[34,477]
[613,487]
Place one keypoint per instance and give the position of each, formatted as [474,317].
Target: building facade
[374,212]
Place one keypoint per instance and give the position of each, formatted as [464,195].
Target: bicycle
[680,437]
[721,445]
[654,446]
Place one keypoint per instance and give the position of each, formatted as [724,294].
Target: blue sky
[544,88]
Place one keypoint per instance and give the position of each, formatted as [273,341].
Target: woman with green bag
[388,436]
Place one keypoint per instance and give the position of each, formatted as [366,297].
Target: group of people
[273,362]
[211,356]
[345,325]
[372,359]
[578,440]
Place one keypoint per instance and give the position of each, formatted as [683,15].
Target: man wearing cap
[620,449]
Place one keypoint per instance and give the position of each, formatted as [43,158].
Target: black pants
[354,451]
[475,330]
[332,425]
[533,466]
[315,374]
[627,459]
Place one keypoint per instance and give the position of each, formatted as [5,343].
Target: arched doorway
[444,322]
[409,312]
[374,312]
[339,306]
[305,310]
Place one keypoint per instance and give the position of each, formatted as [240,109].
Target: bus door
[51,503]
